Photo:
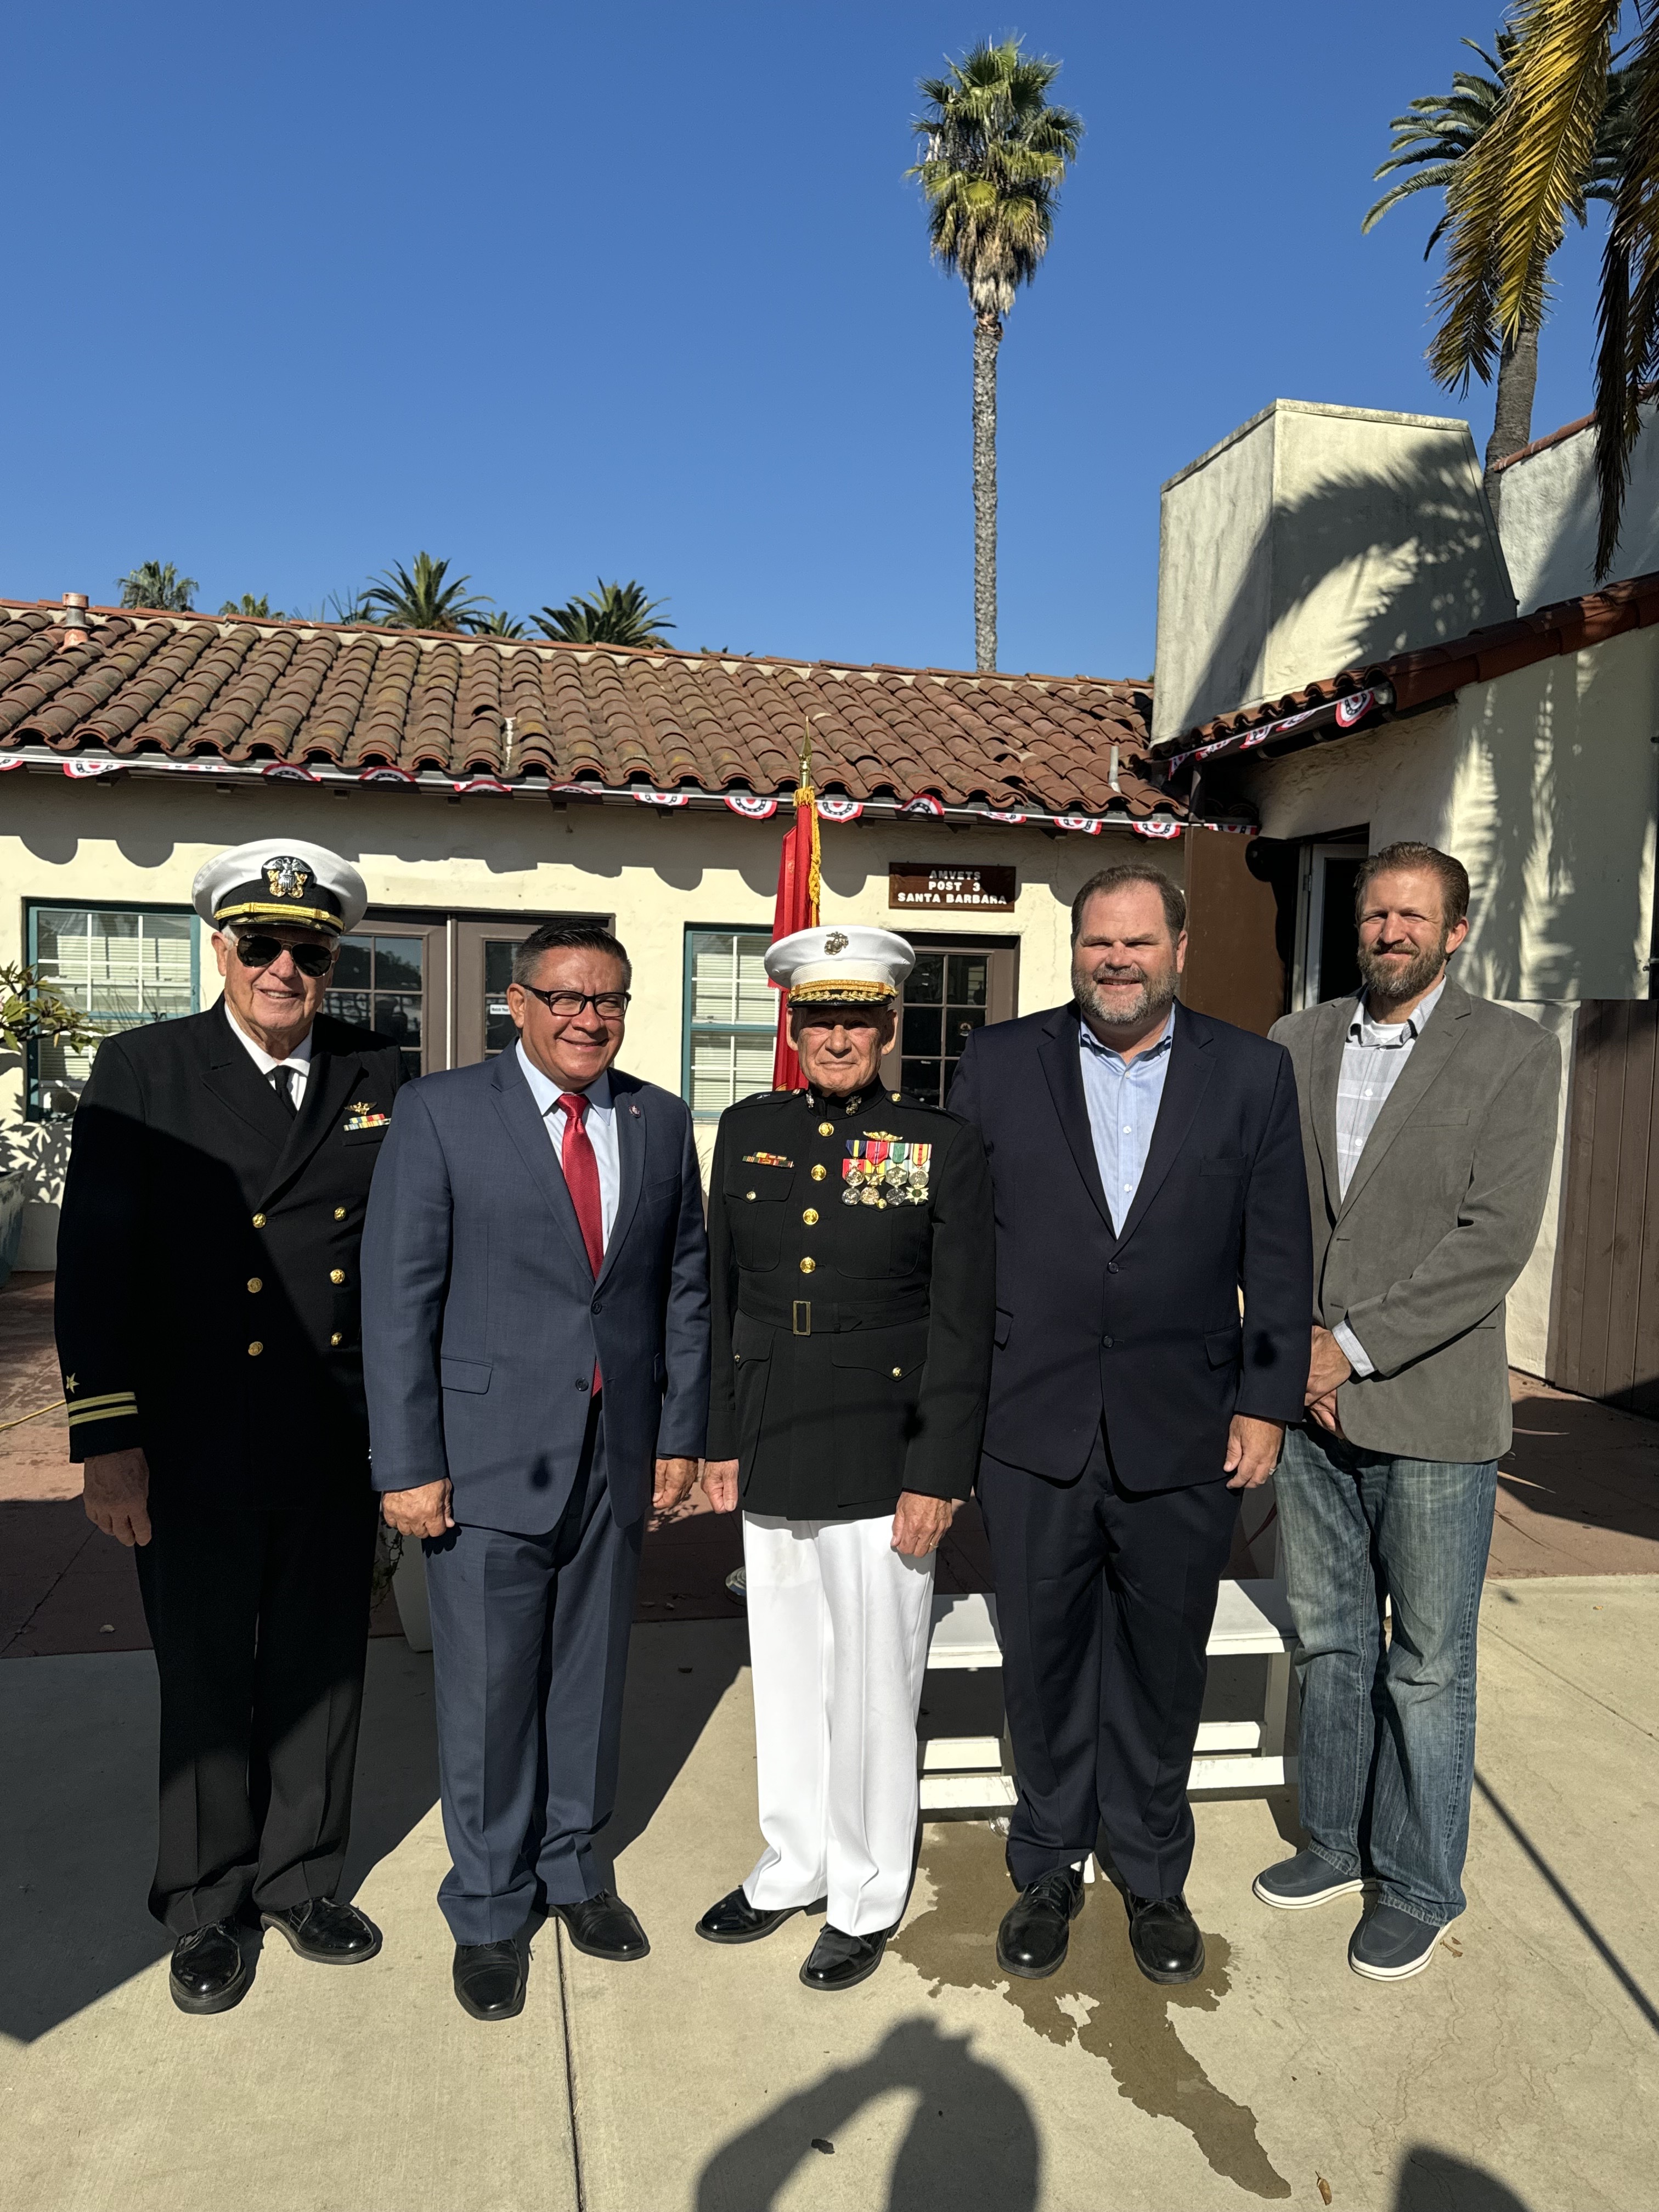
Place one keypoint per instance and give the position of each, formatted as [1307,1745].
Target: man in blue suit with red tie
[1146,1167]
[536,1352]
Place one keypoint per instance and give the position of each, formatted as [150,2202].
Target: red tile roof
[151,687]
[1436,672]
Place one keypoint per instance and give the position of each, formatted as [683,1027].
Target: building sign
[916,884]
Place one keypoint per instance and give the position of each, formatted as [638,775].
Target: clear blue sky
[561,291]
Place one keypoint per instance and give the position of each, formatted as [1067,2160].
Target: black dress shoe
[1165,1939]
[1036,1928]
[332,1934]
[489,1979]
[209,1972]
[841,1962]
[603,1927]
[735,1920]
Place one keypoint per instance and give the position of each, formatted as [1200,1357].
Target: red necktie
[581,1177]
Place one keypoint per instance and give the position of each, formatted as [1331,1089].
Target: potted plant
[30,1014]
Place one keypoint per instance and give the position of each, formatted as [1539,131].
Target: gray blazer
[1440,1218]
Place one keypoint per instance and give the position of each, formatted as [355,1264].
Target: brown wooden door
[1604,1318]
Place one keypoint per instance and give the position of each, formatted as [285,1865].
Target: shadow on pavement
[1433,2181]
[676,1675]
[971,2145]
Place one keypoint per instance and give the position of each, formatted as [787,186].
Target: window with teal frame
[731,1018]
[123,966]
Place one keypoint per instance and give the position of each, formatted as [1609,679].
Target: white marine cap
[842,966]
[282,882]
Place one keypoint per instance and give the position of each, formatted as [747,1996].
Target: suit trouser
[260,1625]
[1105,1600]
[530,1655]
[838,1630]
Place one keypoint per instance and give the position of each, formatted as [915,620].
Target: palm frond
[1627,317]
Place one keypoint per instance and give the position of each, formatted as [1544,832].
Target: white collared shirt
[1123,1097]
[1374,1056]
[298,1062]
[601,1130]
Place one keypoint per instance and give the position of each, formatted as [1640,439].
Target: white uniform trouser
[838,1632]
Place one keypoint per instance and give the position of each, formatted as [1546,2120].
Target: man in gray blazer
[1428,1124]
[535,1347]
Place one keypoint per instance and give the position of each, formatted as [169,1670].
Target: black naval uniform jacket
[207,1263]
[853,1302]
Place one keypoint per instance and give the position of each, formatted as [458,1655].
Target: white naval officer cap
[841,966]
[282,882]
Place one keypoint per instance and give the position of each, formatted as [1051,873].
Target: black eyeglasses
[259,951]
[609,1005]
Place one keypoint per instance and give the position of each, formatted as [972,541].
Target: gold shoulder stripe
[109,1398]
[127,1412]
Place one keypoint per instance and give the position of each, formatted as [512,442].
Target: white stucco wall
[1316,538]
[1547,518]
[143,841]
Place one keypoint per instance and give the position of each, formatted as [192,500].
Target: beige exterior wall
[1316,538]
[1549,516]
[656,872]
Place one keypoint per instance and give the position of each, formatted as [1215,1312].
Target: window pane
[967,975]
[399,1016]
[499,953]
[120,968]
[351,969]
[925,980]
[922,1078]
[731,1012]
[921,1028]
[958,1022]
[349,1006]
[398,963]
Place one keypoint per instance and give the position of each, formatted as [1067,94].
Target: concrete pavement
[1519,2072]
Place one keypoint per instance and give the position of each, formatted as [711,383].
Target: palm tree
[500,624]
[619,614]
[1436,133]
[1572,127]
[994,155]
[421,600]
[157,584]
[248,609]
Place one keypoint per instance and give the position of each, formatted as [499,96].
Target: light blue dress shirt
[601,1131]
[1123,1096]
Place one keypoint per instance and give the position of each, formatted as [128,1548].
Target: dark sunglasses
[259,951]
[609,1005]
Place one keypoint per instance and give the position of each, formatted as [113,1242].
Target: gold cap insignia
[287,878]
[836,942]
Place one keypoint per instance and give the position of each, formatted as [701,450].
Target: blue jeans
[1388,1730]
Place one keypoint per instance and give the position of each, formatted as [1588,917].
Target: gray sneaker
[1390,1945]
[1295,1884]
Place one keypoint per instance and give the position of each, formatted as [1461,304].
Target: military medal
[882,1170]
[362,1113]
[765,1160]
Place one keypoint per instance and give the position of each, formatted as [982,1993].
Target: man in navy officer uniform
[850,1233]
[207,1320]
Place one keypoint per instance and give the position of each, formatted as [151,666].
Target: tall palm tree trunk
[987,337]
[1511,423]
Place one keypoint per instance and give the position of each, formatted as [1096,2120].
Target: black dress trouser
[260,1625]
[1105,1600]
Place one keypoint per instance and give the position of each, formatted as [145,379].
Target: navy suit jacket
[1141,1329]
[483,1319]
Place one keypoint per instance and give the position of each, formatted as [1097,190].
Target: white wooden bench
[967,1773]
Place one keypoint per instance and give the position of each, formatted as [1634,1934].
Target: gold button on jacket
[339,1213]
[336,1274]
[255,1349]
[254,1283]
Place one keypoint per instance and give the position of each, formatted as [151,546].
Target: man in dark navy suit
[1147,1165]
[536,1349]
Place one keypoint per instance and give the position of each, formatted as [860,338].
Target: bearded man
[1146,1168]
[1428,1126]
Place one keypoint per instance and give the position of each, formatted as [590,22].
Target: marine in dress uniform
[207,1321]
[850,1233]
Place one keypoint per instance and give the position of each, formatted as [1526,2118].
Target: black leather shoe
[210,1973]
[841,1962]
[735,1920]
[1036,1928]
[332,1934]
[1165,1939]
[603,1927]
[489,1979]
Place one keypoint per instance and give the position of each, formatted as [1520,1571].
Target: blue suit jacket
[481,1318]
[1141,1328]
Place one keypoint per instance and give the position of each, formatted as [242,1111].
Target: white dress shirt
[298,1062]
[601,1130]
[1123,1097]
[1373,1059]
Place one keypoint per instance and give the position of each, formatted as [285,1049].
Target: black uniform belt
[826,1317]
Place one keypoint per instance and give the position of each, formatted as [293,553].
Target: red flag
[797,908]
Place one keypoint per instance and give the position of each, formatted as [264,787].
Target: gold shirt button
[254,1283]
[897,1372]
[807,1266]
[339,1213]
[748,1194]
[336,1274]
[337,1339]
[819,1172]
[826,1128]
[259,1221]
[810,1217]
[255,1349]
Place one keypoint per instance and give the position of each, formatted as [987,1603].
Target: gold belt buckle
[802,1322]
